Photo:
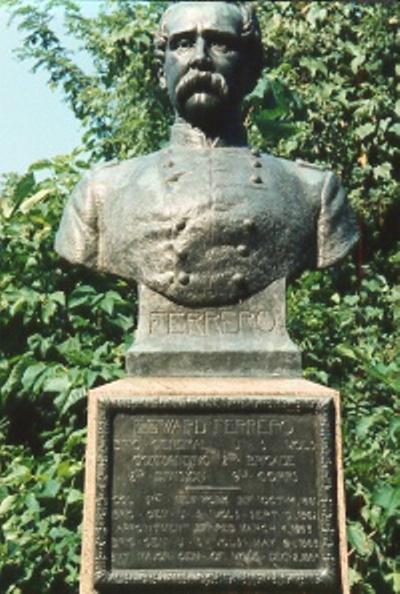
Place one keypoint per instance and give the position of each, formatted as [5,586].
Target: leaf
[315,14]
[383,171]
[395,428]
[20,473]
[74,396]
[57,384]
[24,187]
[58,297]
[357,61]
[74,496]
[107,304]
[31,374]
[30,202]
[84,296]
[276,129]
[51,489]
[388,498]
[363,426]
[358,539]
[268,115]
[394,580]
[346,351]
[395,128]
[7,504]
[32,503]
[48,310]
[261,88]
[365,130]
[314,66]
[354,577]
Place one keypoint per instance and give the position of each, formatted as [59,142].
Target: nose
[201,58]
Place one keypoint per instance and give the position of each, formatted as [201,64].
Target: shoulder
[309,172]
[311,178]
[112,171]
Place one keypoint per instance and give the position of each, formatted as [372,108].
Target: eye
[181,43]
[222,43]
[185,43]
[220,46]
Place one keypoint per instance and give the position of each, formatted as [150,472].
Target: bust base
[242,340]
[144,361]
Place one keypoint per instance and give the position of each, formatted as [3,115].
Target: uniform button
[257,164]
[255,152]
[255,179]
[183,278]
[168,164]
[173,178]
[243,250]
[238,279]
[182,254]
[180,225]
[249,225]
[168,278]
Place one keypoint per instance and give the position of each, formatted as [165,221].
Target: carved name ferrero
[206,323]
[216,485]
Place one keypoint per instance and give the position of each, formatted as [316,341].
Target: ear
[162,79]
[246,80]
[251,77]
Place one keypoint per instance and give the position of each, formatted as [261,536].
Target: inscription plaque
[217,490]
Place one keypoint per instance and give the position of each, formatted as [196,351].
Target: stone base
[214,485]
[246,339]
[233,363]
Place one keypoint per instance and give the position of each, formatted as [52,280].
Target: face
[204,62]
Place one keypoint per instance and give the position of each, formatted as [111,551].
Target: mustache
[198,80]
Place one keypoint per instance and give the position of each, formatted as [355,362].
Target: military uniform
[206,225]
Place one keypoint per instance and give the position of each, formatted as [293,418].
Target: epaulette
[310,165]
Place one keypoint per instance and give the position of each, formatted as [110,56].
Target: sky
[35,123]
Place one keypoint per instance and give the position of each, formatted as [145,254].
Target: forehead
[203,16]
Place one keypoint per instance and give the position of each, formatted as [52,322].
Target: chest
[219,191]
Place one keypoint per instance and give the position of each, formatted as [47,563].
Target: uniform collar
[183,134]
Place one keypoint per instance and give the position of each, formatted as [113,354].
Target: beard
[201,94]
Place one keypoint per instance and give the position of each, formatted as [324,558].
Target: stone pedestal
[228,485]
[246,339]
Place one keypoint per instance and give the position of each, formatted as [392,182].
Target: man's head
[211,57]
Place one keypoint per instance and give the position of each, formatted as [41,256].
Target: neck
[229,131]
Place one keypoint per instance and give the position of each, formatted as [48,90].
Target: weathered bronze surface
[217,492]
[193,225]
[207,221]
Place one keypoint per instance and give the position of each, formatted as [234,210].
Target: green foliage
[40,510]
[62,332]
[328,95]
[351,342]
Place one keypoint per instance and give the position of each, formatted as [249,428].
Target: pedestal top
[217,386]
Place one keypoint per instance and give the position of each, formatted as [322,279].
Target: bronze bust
[207,221]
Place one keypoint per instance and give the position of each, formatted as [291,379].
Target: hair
[250,38]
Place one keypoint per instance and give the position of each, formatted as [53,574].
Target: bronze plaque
[203,490]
